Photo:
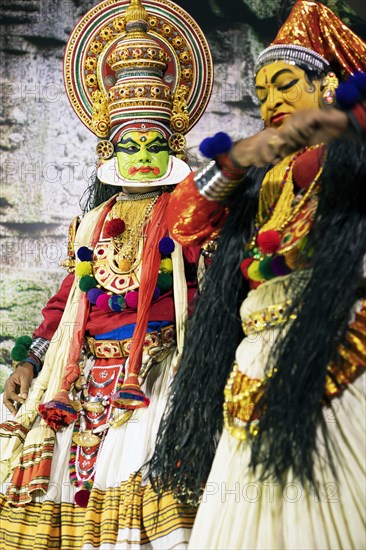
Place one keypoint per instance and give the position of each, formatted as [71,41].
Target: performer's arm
[197,210]
[17,385]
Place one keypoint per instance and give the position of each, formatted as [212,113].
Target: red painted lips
[144,170]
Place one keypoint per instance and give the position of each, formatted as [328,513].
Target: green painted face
[142,156]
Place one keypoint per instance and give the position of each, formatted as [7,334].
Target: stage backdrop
[47,155]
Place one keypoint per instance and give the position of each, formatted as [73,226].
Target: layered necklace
[110,273]
[279,207]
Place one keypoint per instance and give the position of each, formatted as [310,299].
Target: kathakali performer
[98,368]
[268,407]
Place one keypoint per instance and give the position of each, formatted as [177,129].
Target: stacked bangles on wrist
[217,180]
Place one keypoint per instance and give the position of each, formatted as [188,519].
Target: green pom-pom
[86,283]
[19,353]
[265,268]
[25,341]
[165,281]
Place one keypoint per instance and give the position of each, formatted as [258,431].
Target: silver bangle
[212,184]
[39,347]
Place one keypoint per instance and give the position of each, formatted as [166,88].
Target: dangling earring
[328,90]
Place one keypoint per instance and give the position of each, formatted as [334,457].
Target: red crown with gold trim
[315,36]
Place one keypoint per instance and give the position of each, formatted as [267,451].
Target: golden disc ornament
[105,149]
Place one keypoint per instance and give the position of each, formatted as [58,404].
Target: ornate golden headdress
[315,36]
[128,63]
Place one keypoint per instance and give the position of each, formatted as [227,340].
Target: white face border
[108,174]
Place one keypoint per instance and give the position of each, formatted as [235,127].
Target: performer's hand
[311,127]
[258,150]
[17,386]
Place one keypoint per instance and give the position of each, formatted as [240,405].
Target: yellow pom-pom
[253,271]
[84,268]
[166,265]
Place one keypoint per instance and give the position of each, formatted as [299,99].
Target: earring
[328,90]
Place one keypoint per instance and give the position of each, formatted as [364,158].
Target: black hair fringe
[294,397]
[189,431]
[96,193]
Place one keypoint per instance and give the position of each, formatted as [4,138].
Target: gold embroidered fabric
[352,361]
[271,316]
[242,393]
[277,203]
[241,396]
[192,219]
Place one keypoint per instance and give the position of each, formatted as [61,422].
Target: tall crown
[139,63]
[126,62]
[315,36]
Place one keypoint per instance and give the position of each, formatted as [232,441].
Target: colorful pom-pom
[117,303]
[166,265]
[347,95]
[130,395]
[114,227]
[132,299]
[102,301]
[83,268]
[265,268]
[94,294]
[255,284]
[359,80]
[166,246]
[244,266]
[24,341]
[82,498]
[211,147]
[253,271]
[85,254]
[87,282]
[279,267]
[156,294]
[268,241]
[19,353]
[165,281]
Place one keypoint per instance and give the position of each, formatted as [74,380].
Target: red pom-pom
[82,498]
[269,241]
[102,302]
[132,299]
[255,284]
[59,412]
[115,227]
[244,266]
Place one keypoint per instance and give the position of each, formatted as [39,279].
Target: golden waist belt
[270,316]
[116,349]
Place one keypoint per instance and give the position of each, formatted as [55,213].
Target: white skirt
[123,511]
[240,512]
